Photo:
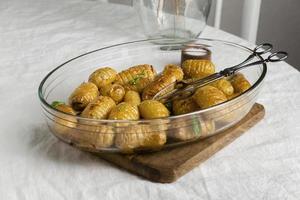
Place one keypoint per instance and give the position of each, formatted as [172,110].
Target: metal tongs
[186,88]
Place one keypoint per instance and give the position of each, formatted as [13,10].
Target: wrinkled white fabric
[37,35]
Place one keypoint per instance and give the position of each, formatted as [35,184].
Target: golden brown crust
[83,95]
[103,76]
[115,91]
[224,85]
[124,111]
[152,109]
[132,97]
[105,138]
[208,96]
[139,137]
[136,78]
[99,109]
[189,130]
[198,68]
[93,135]
[173,70]
[160,83]
[64,124]
[240,83]
[66,109]
[184,106]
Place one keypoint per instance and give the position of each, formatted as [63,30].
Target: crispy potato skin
[224,85]
[240,83]
[103,76]
[184,106]
[208,96]
[174,70]
[189,130]
[151,109]
[114,91]
[63,124]
[198,68]
[92,133]
[139,137]
[124,111]
[67,121]
[136,78]
[160,83]
[99,109]
[105,138]
[83,95]
[132,97]
[66,109]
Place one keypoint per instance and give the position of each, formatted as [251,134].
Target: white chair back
[250,18]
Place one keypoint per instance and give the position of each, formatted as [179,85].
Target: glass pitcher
[174,20]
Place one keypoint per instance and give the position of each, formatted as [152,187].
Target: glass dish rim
[254,86]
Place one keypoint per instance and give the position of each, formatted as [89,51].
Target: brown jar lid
[195,52]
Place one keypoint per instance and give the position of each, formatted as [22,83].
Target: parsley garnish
[196,126]
[54,104]
[137,78]
[169,105]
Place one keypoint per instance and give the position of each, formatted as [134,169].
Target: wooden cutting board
[168,165]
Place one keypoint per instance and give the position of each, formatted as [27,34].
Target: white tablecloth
[37,35]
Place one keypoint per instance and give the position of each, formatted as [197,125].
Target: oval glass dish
[144,135]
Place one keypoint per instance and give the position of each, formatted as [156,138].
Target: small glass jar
[181,20]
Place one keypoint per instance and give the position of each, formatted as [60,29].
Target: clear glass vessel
[106,135]
[180,20]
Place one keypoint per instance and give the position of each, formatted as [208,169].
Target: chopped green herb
[169,105]
[196,126]
[57,103]
[137,78]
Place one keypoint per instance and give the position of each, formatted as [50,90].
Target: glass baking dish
[129,136]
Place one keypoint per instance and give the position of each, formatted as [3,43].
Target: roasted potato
[105,137]
[240,83]
[99,109]
[160,83]
[208,96]
[103,76]
[136,78]
[124,111]
[83,95]
[173,70]
[139,137]
[132,97]
[64,124]
[63,108]
[114,91]
[152,109]
[93,135]
[224,85]
[189,130]
[198,68]
[184,106]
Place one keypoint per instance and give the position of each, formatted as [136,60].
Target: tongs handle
[274,57]
[187,87]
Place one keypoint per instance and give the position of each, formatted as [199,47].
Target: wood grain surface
[168,165]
